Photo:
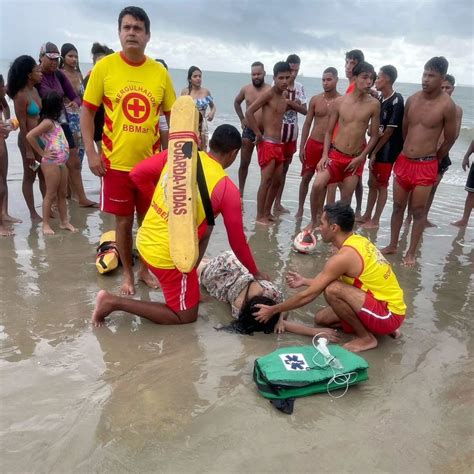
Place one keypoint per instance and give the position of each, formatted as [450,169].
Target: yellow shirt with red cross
[133,94]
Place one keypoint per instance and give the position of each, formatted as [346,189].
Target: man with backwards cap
[55,80]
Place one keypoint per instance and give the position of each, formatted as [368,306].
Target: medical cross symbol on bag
[294,361]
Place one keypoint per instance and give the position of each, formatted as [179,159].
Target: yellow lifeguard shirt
[377,276]
[153,235]
[133,95]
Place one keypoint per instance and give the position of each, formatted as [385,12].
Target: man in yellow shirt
[359,285]
[134,90]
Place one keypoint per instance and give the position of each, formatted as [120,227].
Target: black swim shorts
[444,165]
[248,133]
[470,180]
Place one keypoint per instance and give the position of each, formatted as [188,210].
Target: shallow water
[137,397]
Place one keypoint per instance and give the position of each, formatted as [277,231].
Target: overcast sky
[228,35]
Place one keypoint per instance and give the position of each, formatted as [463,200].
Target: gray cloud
[220,34]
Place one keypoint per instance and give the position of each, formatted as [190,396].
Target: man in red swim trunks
[343,160]
[427,113]
[269,145]
[312,145]
[181,290]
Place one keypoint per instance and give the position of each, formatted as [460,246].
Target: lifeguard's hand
[371,162]
[302,155]
[331,334]
[354,164]
[294,280]
[264,313]
[465,163]
[96,165]
[258,138]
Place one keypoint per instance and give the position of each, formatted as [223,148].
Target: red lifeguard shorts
[119,196]
[411,173]
[268,151]
[338,162]
[181,290]
[382,172]
[289,149]
[376,317]
[313,151]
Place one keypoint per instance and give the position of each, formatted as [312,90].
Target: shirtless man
[249,93]
[352,59]
[343,160]
[427,113]
[296,103]
[269,145]
[311,148]
[448,87]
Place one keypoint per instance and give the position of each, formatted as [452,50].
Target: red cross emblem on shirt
[136,107]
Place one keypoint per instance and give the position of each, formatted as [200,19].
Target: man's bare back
[425,118]
[354,115]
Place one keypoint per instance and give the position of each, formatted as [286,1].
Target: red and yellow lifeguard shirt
[377,276]
[150,177]
[132,94]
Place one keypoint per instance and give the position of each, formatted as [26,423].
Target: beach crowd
[116,119]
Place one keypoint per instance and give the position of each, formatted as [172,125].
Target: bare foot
[128,286]
[408,261]
[68,226]
[6,231]
[264,221]
[280,209]
[429,224]
[102,308]
[360,344]
[8,218]
[47,229]
[460,223]
[370,225]
[271,217]
[362,219]
[148,278]
[88,203]
[396,334]
[36,218]
[389,249]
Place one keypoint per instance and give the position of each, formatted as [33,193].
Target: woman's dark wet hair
[52,106]
[439,64]
[137,13]
[281,66]
[18,74]
[225,138]
[100,50]
[391,72]
[191,71]
[363,67]
[341,214]
[246,322]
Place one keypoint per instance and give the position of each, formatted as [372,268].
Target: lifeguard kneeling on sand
[181,290]
[359,285]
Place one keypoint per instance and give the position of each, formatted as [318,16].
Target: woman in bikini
[23,75]
[203,99]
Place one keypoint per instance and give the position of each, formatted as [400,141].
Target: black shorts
[444,164]
[69,136]
[248,133]
[470,180]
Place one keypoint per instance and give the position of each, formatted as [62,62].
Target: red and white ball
[305,242]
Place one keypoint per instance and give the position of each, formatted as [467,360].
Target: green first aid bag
[299,371]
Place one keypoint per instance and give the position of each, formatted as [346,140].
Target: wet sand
[137,397]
